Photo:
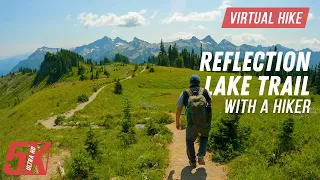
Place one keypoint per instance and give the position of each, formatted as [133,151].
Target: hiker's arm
[179,110]
[178,113]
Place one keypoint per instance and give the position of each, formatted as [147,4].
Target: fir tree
[118,87]
[92,144]
[317,82]
[162,50]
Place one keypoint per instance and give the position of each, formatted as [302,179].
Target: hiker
[197,102]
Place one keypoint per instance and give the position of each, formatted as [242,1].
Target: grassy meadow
[151,95]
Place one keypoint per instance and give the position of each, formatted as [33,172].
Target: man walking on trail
[197,102]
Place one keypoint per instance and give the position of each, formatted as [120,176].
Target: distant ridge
[139,50]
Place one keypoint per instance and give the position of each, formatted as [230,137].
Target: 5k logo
[37,153]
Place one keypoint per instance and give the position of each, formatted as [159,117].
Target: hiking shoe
[201,160]
[193,164]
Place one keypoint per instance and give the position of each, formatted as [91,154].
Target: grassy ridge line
[49,122]
[18,122]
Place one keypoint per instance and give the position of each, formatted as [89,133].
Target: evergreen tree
[175,54]
[179,62]
[91,77]
[192,59]
[186,57]
[317,82]
[201,50]
[313,77]
[81,70]
[92,144]
[162,49]
[97,75]
[56,65]
[170,55]
[127,132]
[118,87]
[121,58]
[152,59]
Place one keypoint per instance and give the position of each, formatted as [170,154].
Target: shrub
[82,98]
[151,70]
[128,138]
[58,120]
[160,132]
[227,139]
[83,77]
[163,118]
[80,166]
[312,99]
[106,73]
[108,121]
[152,128]
[94,89]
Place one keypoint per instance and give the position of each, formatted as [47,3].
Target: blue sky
[28,25]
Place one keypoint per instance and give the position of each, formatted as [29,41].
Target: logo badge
[34,162]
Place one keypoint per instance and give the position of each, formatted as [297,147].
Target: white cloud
[197,16]
[310,16]
[198,27]
[131,19]
[224,5]
[245,38]
[154,15]
[114,31]
[179,35]
[310,43]
[192,17]
[68,17]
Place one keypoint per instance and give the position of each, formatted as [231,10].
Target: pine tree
[126,124]
[313,77]
[127,132]
[179,62]
[175,54]
[317,84]
[92,144]
[192,59]
[186,57]
[97,75]
[118,87]
[162,50]
[170,55]
[201,50]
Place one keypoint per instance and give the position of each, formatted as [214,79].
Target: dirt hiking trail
[179,164]
[52,170]
[49,122]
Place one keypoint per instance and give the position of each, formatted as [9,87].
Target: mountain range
[8,63]
[139,50]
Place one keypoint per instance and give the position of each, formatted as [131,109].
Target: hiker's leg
[203,146]
[191,136]
[204,134]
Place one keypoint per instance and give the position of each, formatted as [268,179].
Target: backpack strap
[189,92]
[201,90]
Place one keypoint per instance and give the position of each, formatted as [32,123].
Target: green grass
[151,95]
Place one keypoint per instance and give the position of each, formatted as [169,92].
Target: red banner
[265,18]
